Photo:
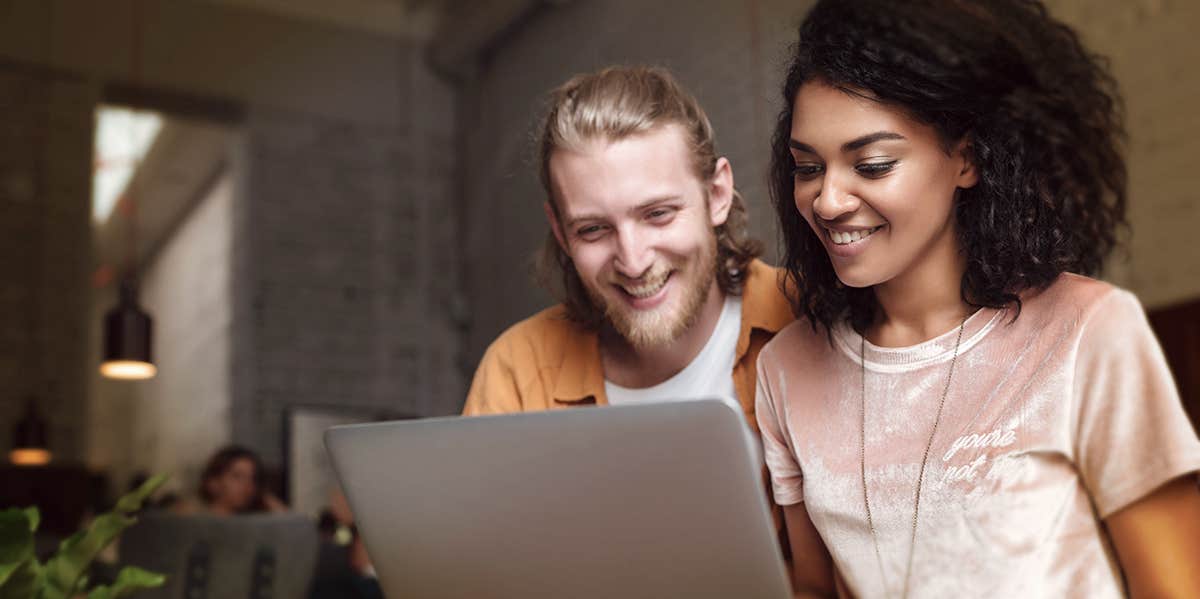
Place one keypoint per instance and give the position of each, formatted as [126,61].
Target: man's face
[638,226]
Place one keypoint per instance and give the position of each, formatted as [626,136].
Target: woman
[232,483]
[956,414]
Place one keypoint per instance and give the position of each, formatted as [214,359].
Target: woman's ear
[968,172]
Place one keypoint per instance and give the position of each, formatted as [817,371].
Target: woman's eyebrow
[869,139]
[852,145]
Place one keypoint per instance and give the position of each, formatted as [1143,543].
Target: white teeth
[843,238]
[646,289]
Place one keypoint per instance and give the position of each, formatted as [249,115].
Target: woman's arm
[1157,539]
[812,570]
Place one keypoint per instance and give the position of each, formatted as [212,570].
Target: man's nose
[633,256]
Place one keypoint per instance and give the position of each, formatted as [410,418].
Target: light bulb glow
[29,456]
[130,370]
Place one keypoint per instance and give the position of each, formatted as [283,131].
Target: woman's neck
[921,303]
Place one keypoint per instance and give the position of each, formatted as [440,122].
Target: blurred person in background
[232,483]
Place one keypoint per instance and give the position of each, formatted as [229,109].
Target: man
[662,297]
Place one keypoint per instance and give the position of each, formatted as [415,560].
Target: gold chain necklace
[912,546]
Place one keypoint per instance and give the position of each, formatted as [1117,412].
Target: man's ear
[555,226]
[720,192]
[968,173]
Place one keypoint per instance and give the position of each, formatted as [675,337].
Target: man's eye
[807,171]
[875,169]
[659,214]
[589,232]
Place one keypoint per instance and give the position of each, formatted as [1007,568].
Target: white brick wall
[729,54]
[1152,46]
[183,415]
[346,271]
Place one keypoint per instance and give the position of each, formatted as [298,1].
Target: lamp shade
[127,334]
[30,446]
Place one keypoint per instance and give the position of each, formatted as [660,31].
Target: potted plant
[63,576]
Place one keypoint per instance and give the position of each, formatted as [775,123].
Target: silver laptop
[658,500]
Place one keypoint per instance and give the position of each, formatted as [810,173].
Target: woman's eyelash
[875,168]
[806,170]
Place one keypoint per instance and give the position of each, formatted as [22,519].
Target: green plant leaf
[73,557]
[34,516]
[16,536]
[65,568]
[6,570]
[132,501]
[129,580]
[22,582]
[69,542]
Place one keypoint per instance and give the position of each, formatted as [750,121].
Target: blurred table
[62,493]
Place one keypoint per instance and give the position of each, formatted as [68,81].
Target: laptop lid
[656,500]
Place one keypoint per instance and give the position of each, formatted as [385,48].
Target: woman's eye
[875,169]
[807,171]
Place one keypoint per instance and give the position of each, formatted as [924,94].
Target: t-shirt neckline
[934,351]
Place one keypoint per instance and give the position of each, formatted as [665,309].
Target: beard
[658,326]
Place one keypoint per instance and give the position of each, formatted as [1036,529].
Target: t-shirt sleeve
[1131,433]
[787,480]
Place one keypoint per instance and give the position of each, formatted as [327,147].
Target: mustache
[653,275]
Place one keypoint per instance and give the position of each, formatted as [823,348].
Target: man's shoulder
[546,333]
[521,370]
[763,297]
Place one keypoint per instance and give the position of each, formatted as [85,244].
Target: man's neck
[638,368]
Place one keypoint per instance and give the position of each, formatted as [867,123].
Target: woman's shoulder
[1073,293]
[1079,301]
[800,339]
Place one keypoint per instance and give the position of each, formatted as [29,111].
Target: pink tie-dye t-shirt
[1052,422]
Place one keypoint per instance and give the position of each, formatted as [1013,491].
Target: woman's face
[234,489]
[876,186]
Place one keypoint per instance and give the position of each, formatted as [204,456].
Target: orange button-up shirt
[547,361]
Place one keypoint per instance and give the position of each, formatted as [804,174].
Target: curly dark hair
[221,462]
[1041,116]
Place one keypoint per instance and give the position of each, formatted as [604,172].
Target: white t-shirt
[710,373]
[1052,422]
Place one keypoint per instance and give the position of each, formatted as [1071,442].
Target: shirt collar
[764,307]
[763,303]
[581,373]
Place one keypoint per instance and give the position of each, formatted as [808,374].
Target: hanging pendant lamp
[127,328]
[127,335]
[30,446]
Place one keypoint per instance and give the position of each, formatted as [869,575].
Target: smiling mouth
[848,237]
[644,288]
